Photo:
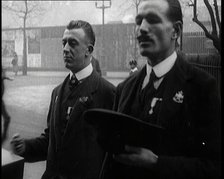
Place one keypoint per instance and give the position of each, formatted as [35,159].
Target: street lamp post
[103,7]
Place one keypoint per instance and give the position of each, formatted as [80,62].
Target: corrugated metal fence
[197,43]
[209,63]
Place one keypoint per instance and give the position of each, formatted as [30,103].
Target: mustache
[144,38]
[67,56]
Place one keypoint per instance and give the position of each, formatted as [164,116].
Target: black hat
[116,129]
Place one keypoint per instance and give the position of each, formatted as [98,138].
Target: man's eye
[138,21]
[64,43]
[153,20]
[72,43]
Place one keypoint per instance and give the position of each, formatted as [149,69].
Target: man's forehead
[74,32]
[161,5]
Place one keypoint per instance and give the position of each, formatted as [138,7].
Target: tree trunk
[24,43]
[24,52]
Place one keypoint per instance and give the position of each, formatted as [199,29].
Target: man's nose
[66,47]
[144,27]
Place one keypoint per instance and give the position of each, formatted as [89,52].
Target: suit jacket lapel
[83,102]
[57,112]
[130,91]
[175,83]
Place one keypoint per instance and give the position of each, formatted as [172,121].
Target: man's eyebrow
[138,16]
[152,15]
[149,14]
[69,39]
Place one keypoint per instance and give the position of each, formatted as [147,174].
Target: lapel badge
[83,99]
[179,97]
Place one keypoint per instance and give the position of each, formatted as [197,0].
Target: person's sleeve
[36,148]
[98,68]
[109,95]
[206,164]
[117,97]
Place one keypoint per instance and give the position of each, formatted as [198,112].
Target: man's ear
[177,26]
[89,50]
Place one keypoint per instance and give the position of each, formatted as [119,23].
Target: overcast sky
[61,12]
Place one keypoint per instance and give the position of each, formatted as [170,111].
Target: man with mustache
[171,93]
[68,143]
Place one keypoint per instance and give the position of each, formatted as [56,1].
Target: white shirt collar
[85,72]
[163,67]
[134,69]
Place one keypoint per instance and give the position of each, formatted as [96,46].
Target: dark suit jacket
[75,154]
[96,65]
[191,148]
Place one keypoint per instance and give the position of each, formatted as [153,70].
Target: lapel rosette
[179,97]
[85,100]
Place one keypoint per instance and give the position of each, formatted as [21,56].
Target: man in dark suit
[133,66]
[171,93]
[96,65]
[68,143]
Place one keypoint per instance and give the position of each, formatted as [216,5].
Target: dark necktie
[149,88]
[73,82]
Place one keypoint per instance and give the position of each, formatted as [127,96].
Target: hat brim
[117,129]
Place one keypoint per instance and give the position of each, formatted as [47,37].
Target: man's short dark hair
[76,24]
[174,11]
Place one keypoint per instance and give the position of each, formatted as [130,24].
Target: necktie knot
[153,76]
[73,81]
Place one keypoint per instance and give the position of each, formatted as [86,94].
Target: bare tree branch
[134,4]
[214,29]
[25,10]
[214,35]
[13,9]
[217,14]
[127,8]
[195,18]
[122,4]
[31,9]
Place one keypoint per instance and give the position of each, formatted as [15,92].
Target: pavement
[108,75]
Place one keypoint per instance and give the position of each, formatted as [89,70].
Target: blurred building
[45,48]
[114,51]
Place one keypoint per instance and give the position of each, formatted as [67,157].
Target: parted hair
[174,12]
[76,24]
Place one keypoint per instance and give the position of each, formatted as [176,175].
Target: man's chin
[145,53]
[67,65]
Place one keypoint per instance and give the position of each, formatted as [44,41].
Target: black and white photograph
[111,89]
